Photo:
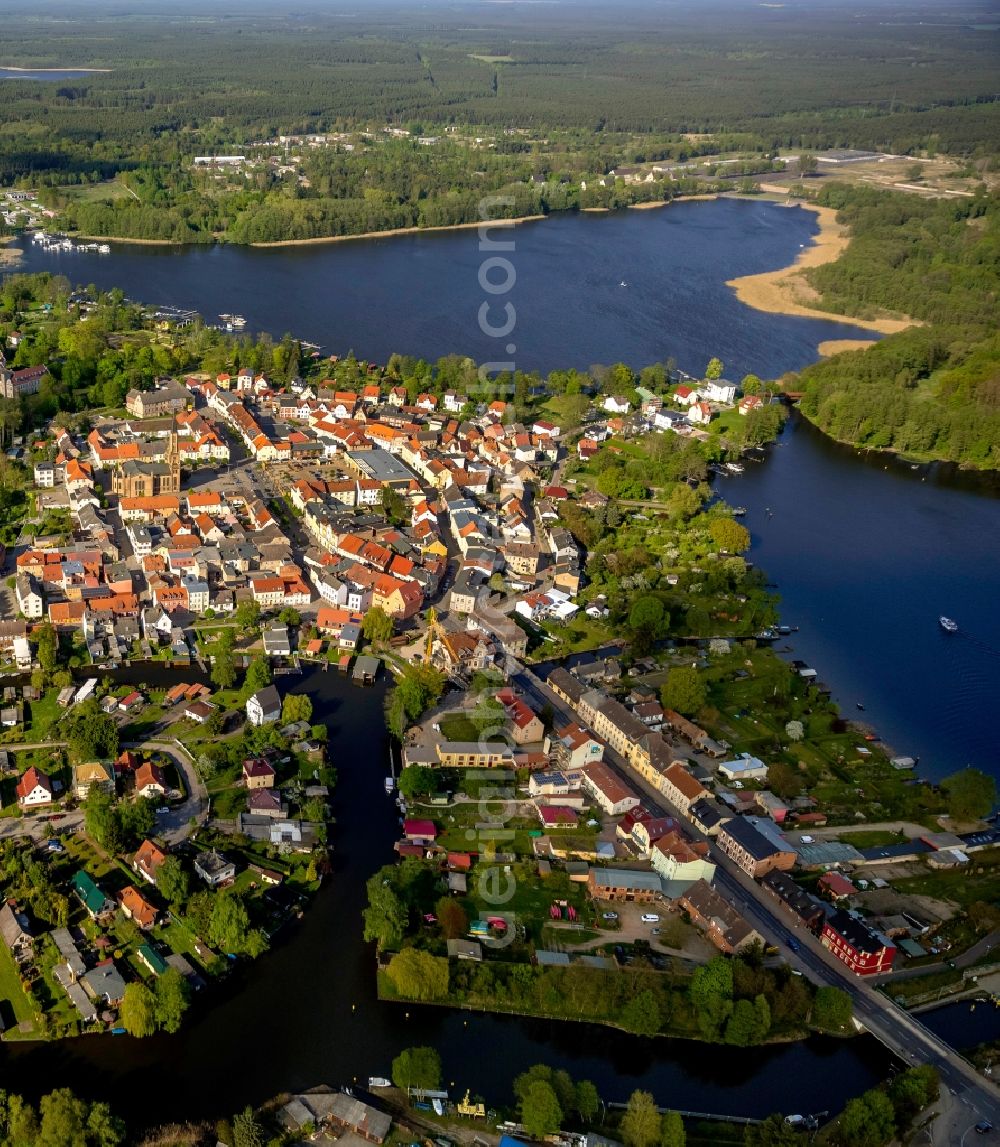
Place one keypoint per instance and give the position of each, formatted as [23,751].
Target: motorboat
[948,625]
[379,1081]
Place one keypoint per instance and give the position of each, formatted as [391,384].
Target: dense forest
[932,391]
[528,96]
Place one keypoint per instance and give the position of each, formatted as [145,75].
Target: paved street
[969,1096]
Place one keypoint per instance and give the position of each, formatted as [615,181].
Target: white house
[29,600]
[264,706]
[686,396]
[718,390]
[34,789]
[615,405]
[700,414]
[45,474]
[750,402]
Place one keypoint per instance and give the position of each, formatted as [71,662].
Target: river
[306,1013]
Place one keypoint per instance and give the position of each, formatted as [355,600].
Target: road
[967,1096]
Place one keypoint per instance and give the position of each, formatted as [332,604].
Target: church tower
[172,481]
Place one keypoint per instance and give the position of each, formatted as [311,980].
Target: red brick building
[865,952]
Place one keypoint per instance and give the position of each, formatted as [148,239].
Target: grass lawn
[96,192]
[12,997]
[83,852]
[462,727]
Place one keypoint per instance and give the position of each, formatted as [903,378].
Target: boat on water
[734,467]
[948,625]
[438,1106]
[379,1081]
[390,784]
[739,511]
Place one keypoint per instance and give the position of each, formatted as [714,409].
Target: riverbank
[786,291]
[829,347]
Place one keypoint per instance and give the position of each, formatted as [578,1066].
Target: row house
[864,951]
[755,847]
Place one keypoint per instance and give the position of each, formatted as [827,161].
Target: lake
[420,294]
[45,74]
[307,1014]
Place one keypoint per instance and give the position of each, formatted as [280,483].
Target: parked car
[650,918]
[609,916]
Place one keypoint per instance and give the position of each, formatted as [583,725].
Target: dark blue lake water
[420,294]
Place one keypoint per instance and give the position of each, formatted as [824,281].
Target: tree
[773,1132]
[377,626]
[452,918]
[586,1101]
[417,1067]
[672,1133]
[223,666]
[832,1009]
[911,1091]
[386,915]
[137,819]
[541,1114]
[794,730]
[971,794]
[229,927]
[171,996]
[91,733]
[646,614]
[749,1022]
[393,505]
[418,975]
[417,781]
[868,1121]
[48,647]
[714,368]
[138,1010]
[808,164]
[751,384]
[641,1122]
[290,616]
[173,881]
[258,676]
[730,536]
[641,1015]
[247,615]
[683,690]
[296,707]
[711,994]
[247,1131]
[102,821]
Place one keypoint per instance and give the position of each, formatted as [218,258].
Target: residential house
[16,932]
[91,774]
[136,907]
[680,788]
[718,919]
[264,706]
[147,860]
[214,868]
[91,895]
[610,792]
[34,789]
[258,773]
[149,781]
[755,848]
[625,884]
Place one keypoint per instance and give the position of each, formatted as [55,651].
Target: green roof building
[93,898]
[153,960]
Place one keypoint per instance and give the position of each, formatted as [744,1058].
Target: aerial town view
[500,543]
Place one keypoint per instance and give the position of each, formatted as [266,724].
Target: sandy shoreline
[786,292]
[830,347]
[401,231]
